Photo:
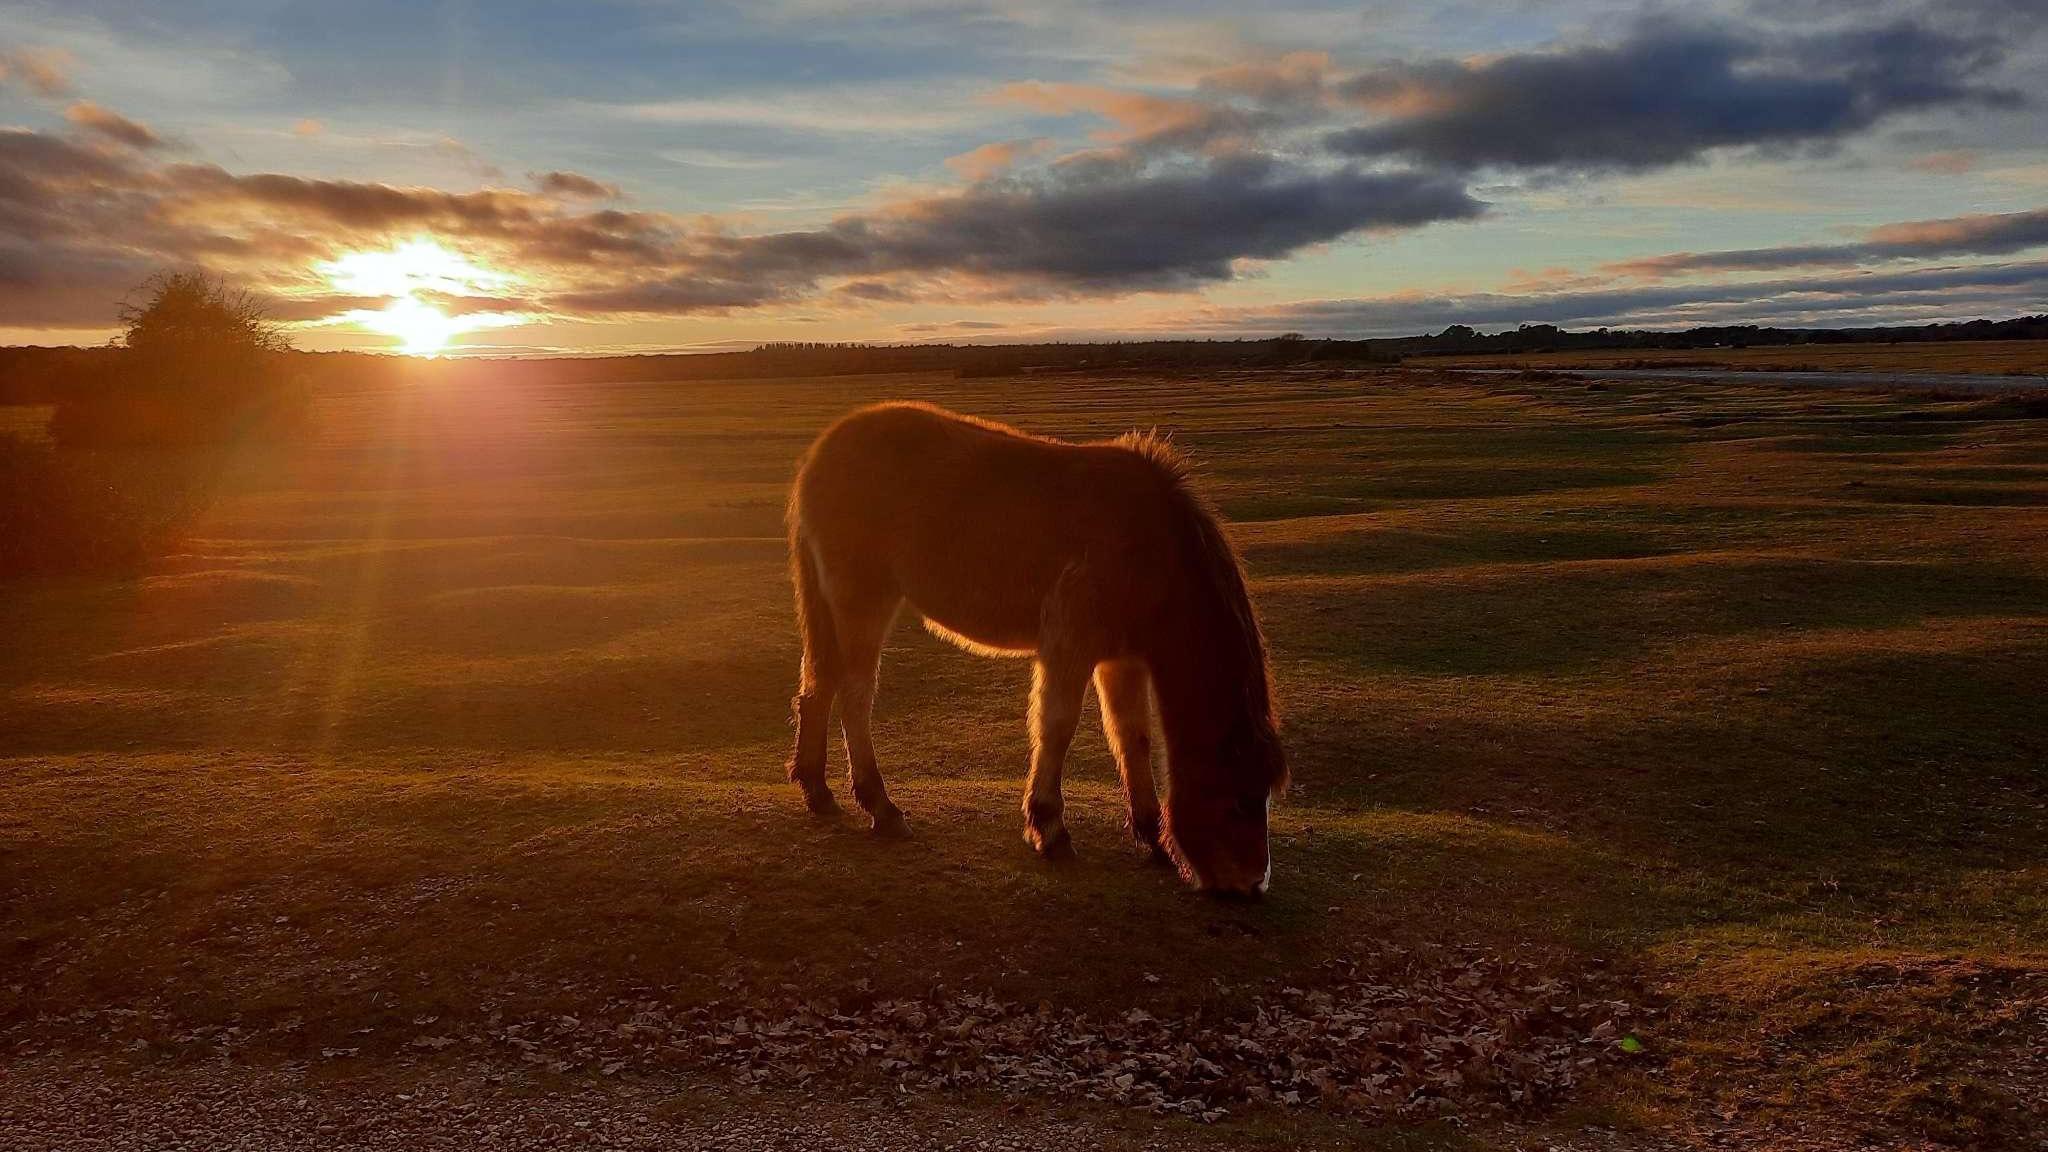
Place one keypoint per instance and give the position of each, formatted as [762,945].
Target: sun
[411,274]
[421,328]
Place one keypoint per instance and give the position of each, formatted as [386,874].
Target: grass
[1961,357]
[478,705]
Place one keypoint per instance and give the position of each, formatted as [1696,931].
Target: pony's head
[1217,834]
[1210,677]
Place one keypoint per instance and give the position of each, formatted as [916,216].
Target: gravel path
[229,1108]
[55,1105]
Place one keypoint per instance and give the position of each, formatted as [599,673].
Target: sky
[640,175]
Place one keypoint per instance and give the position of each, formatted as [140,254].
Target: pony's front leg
[1056,690]
[1123,689]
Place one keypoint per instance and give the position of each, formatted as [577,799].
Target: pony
[1097,561]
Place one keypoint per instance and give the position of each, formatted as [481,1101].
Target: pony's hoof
[1145,834]
[819,799]
[890,825]
[1056,846]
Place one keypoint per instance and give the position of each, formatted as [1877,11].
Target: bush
[198,364]
[81,512]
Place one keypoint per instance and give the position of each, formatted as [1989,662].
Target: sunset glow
[413,273]
[414,266]
[686,178]
[421,328]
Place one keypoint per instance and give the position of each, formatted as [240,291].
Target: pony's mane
[1157,448]
[1218,566]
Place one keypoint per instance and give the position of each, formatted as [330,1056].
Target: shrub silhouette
[83,511]
[199,363]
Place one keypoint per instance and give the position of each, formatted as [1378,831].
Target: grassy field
[1966,357]
[1725,698]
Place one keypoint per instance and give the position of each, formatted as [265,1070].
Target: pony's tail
[821,658]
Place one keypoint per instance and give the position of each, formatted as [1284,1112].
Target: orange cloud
[1141,120]
[43,71]
[2004,230]
[111,125]
[1289,78]
[991,159]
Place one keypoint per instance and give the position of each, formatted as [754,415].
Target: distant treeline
[41,375]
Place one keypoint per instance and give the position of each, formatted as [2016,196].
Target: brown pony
[1095,560]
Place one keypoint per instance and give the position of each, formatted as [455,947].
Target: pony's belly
[987,644]
[984,603]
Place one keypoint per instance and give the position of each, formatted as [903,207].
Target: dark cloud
[573,185]
[1104,225]
[111,125]
[1985,235]
[1102,228]
[1666,94]
[50,285]
[873,291]
[1173,228]
[357,205]
[672,295]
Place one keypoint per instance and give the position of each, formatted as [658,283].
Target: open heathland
[1668,757]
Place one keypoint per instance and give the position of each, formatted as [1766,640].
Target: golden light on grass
[410,273]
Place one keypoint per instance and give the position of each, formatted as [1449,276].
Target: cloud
[836,112]
[1092,225]
[1951,163]
[111,125]
[1141,120]
[1111,228]
[42,71]
[51,286]
[1100,227]
[1984,235]
[1299,79]
[1095,228]
[573,185]
[2000,232]
[308,128]
[998,157]
[1666,94]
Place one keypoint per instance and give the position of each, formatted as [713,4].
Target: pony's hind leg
[818,679]
[1123,689]
[862,626]
[1057,686]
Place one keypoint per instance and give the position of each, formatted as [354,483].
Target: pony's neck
[1209,667]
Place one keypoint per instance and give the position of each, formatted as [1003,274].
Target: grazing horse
[1092,559]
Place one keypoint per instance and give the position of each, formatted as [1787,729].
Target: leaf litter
[1446,1034]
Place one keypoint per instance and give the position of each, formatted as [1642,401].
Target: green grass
[480,705]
